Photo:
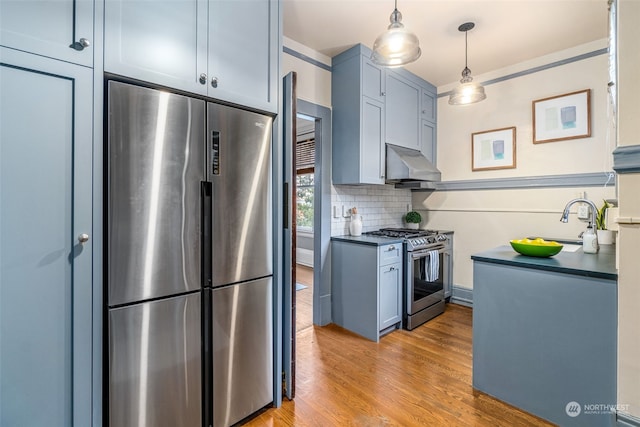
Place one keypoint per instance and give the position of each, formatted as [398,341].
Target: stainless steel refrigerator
[189,260]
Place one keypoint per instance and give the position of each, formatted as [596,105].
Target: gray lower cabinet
[226,50]
[45,259]
[367,287]
[389,296]
[545,342]
[61,29]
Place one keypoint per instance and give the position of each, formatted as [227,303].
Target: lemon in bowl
[536,247]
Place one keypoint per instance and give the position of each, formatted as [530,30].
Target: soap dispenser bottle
[590,241]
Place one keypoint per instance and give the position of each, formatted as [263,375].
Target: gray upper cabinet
[61,29]
[222,49]
[428,124]
[373,106]
[372,80]
[429,100]
[243,52]
[47,241]
[402,111]
[357,96]
[428,140]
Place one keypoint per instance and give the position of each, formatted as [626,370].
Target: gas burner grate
[406,233]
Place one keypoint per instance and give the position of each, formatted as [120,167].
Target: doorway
[305,215]
[317,119]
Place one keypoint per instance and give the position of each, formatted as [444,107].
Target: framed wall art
[493,149]
[562,117]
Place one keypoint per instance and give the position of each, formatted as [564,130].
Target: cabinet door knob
[392,248]
[203,79]
[80,44]
[83,238]
[214,82]
[392,268]
[383,93]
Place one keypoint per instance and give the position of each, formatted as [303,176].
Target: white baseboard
[304,257]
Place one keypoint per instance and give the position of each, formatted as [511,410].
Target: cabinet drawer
[389,254]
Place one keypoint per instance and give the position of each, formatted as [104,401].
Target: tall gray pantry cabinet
[51,72]
[46,228]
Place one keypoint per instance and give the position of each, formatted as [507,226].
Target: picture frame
[562,117]
[493,149]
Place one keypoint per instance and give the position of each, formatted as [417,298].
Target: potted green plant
[413,219]
[605,237]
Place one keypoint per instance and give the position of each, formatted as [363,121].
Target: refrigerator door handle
[285,206]
[207,238]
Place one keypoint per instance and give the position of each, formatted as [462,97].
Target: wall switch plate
[583,212]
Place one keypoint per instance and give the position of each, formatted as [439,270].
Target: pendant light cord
[465,48]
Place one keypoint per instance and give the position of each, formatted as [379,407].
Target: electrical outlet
[583,212]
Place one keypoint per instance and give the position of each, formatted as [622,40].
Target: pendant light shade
[397,46]
[468,92]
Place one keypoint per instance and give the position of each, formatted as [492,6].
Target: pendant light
[468,92]
[397,46]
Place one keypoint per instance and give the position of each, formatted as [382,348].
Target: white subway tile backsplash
[380,206]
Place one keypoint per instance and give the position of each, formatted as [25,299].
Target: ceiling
[507,31]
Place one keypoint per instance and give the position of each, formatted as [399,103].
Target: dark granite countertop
[366,239]
[601,265]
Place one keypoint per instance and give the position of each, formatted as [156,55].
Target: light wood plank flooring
[417,378]
[304,298]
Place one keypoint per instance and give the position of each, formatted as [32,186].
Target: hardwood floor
[411,378]
[304,298]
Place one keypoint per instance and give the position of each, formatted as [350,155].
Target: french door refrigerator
[189,260]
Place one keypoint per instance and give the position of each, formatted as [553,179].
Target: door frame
[322,210]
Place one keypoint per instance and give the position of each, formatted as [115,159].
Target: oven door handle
[424,253]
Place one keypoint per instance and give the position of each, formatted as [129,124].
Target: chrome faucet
[594,211]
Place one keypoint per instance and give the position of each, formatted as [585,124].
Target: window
[304,199]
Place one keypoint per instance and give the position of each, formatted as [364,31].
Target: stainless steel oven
[426,276]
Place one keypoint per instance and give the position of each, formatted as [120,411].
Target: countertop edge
[600,266]
[367,240]
[557,269]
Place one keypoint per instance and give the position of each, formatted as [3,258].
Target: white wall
[509,104]
[483,219]
[314,83]
[629,267]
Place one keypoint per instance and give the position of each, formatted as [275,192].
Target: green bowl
[535,250]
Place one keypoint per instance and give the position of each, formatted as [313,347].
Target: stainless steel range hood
[405,166]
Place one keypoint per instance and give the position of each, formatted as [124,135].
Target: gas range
[415,239]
